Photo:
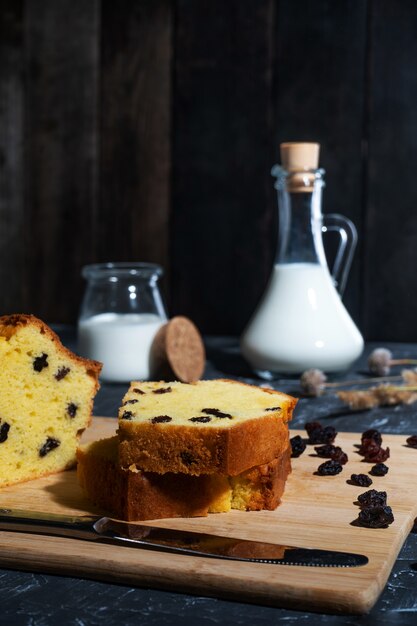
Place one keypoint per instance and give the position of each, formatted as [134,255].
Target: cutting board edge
[341,603]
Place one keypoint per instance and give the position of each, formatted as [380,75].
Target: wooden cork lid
[178,352]
[299,157]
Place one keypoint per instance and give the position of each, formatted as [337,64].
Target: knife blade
[107,530]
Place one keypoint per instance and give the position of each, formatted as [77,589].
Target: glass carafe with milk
[301,322]
[121,312]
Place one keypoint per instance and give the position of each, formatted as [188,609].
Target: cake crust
[29,449]
[225,449]
[136,495]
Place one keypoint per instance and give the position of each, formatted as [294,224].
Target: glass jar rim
[122,269]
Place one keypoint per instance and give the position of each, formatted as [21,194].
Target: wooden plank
[391,225]
[135,114]
[61,138]
[12,190]
[319,83]
[223,197]
[316,512]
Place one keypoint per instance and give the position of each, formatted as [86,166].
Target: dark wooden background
[146,130]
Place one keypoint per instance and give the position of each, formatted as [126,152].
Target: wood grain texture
[222,234]
[61,48]
[12,189]
[319,95]
[135,126]
[390,303]
[316,512]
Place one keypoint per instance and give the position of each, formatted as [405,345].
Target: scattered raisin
[380,469]
[412,441]
[62,372]
[339,456]
[201,418]
[216,413]
[318,434]
[361,480]
[298,446]
[372,434]
[50,444]
[130,402]
[162,390]
[187,458]
[325,451]
[161,419]
[369,447]
[136,390]
[372,498]
[72,409]
[329,468]
[274,408]
[377,456]
[40,362]
[379,516]
[127,415]
[4,431]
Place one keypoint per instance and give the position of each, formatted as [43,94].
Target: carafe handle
[348,240]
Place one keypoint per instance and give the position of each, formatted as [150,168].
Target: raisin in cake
[217,426]
[134,495]
[46,398]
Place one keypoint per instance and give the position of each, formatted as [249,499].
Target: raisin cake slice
[134,495]
[46,399]
[216,426]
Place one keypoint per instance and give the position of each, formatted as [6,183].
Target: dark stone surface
[30,599]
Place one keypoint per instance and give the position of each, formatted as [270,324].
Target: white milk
[301,323]
[122,342]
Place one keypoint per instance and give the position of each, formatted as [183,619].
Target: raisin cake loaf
[46,398]
[134,495]
[207,427]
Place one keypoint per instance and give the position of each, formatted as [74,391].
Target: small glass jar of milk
[121,312]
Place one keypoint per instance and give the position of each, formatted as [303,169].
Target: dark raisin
[318,434]
[50,444]
[72,409]
[187,458]
[201,418]
[339,456]
[130,402]
[360,480]
[369,446]
[161,419]
[298,446]
[162,390]
[62,372]
[127,415]
[372,498]
[377,456]
[380,469]
[325,451]
[4,431]
[136,390]
[412,441]
[376,517]
[329,468]
[216,413]
[372,434]
[274,408]
[40,362]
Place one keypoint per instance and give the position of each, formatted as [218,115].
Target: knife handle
[78,526]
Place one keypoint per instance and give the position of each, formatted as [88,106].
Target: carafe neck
[300,216]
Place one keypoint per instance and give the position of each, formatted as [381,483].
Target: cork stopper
[177,352]
[297,158]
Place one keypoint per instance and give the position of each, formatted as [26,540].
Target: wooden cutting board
[316,512]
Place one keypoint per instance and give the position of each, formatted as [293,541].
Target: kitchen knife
[104,529]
